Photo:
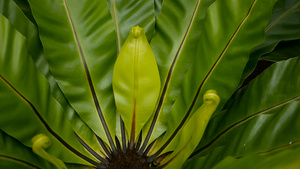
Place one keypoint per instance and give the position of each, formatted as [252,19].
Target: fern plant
[121,84]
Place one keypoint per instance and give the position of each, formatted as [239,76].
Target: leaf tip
[137,31]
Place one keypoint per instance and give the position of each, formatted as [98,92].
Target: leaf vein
[166,85]
[20,161]
[90,82]
[282,16]
[241,122]
[55,135]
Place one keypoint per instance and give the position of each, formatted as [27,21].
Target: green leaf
[11,11]
[13,153]
[263,116]
[15,15]
[78,166]
[136,82]
[283,51]
[158,6]
[127,14]
[76,46]
[21,84]
[178,28]
[222,55]
[24,6]
[175,22]
[8,162]
[286,157]
[284,25]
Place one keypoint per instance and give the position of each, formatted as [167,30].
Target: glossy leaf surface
[24,6]
[136,81]
[285,157]
[11,11]
[78,57]
[259,120]
[127,14]
[222,54]
[35,103]
[178,28]
[283,26]
[29,31]
[198,44]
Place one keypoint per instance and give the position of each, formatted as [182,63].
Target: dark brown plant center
[128,160]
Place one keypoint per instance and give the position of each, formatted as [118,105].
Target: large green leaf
[29,31]
[231,29]
[11,11]
[176,37]
[285,157]
[37,112]
[263,132]
[263,116]
[81,53]
[127,14]
[284,25]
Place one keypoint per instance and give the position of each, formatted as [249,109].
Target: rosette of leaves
[82,86]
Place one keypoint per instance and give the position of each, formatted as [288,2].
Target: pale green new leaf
[189,140]
[136,81]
